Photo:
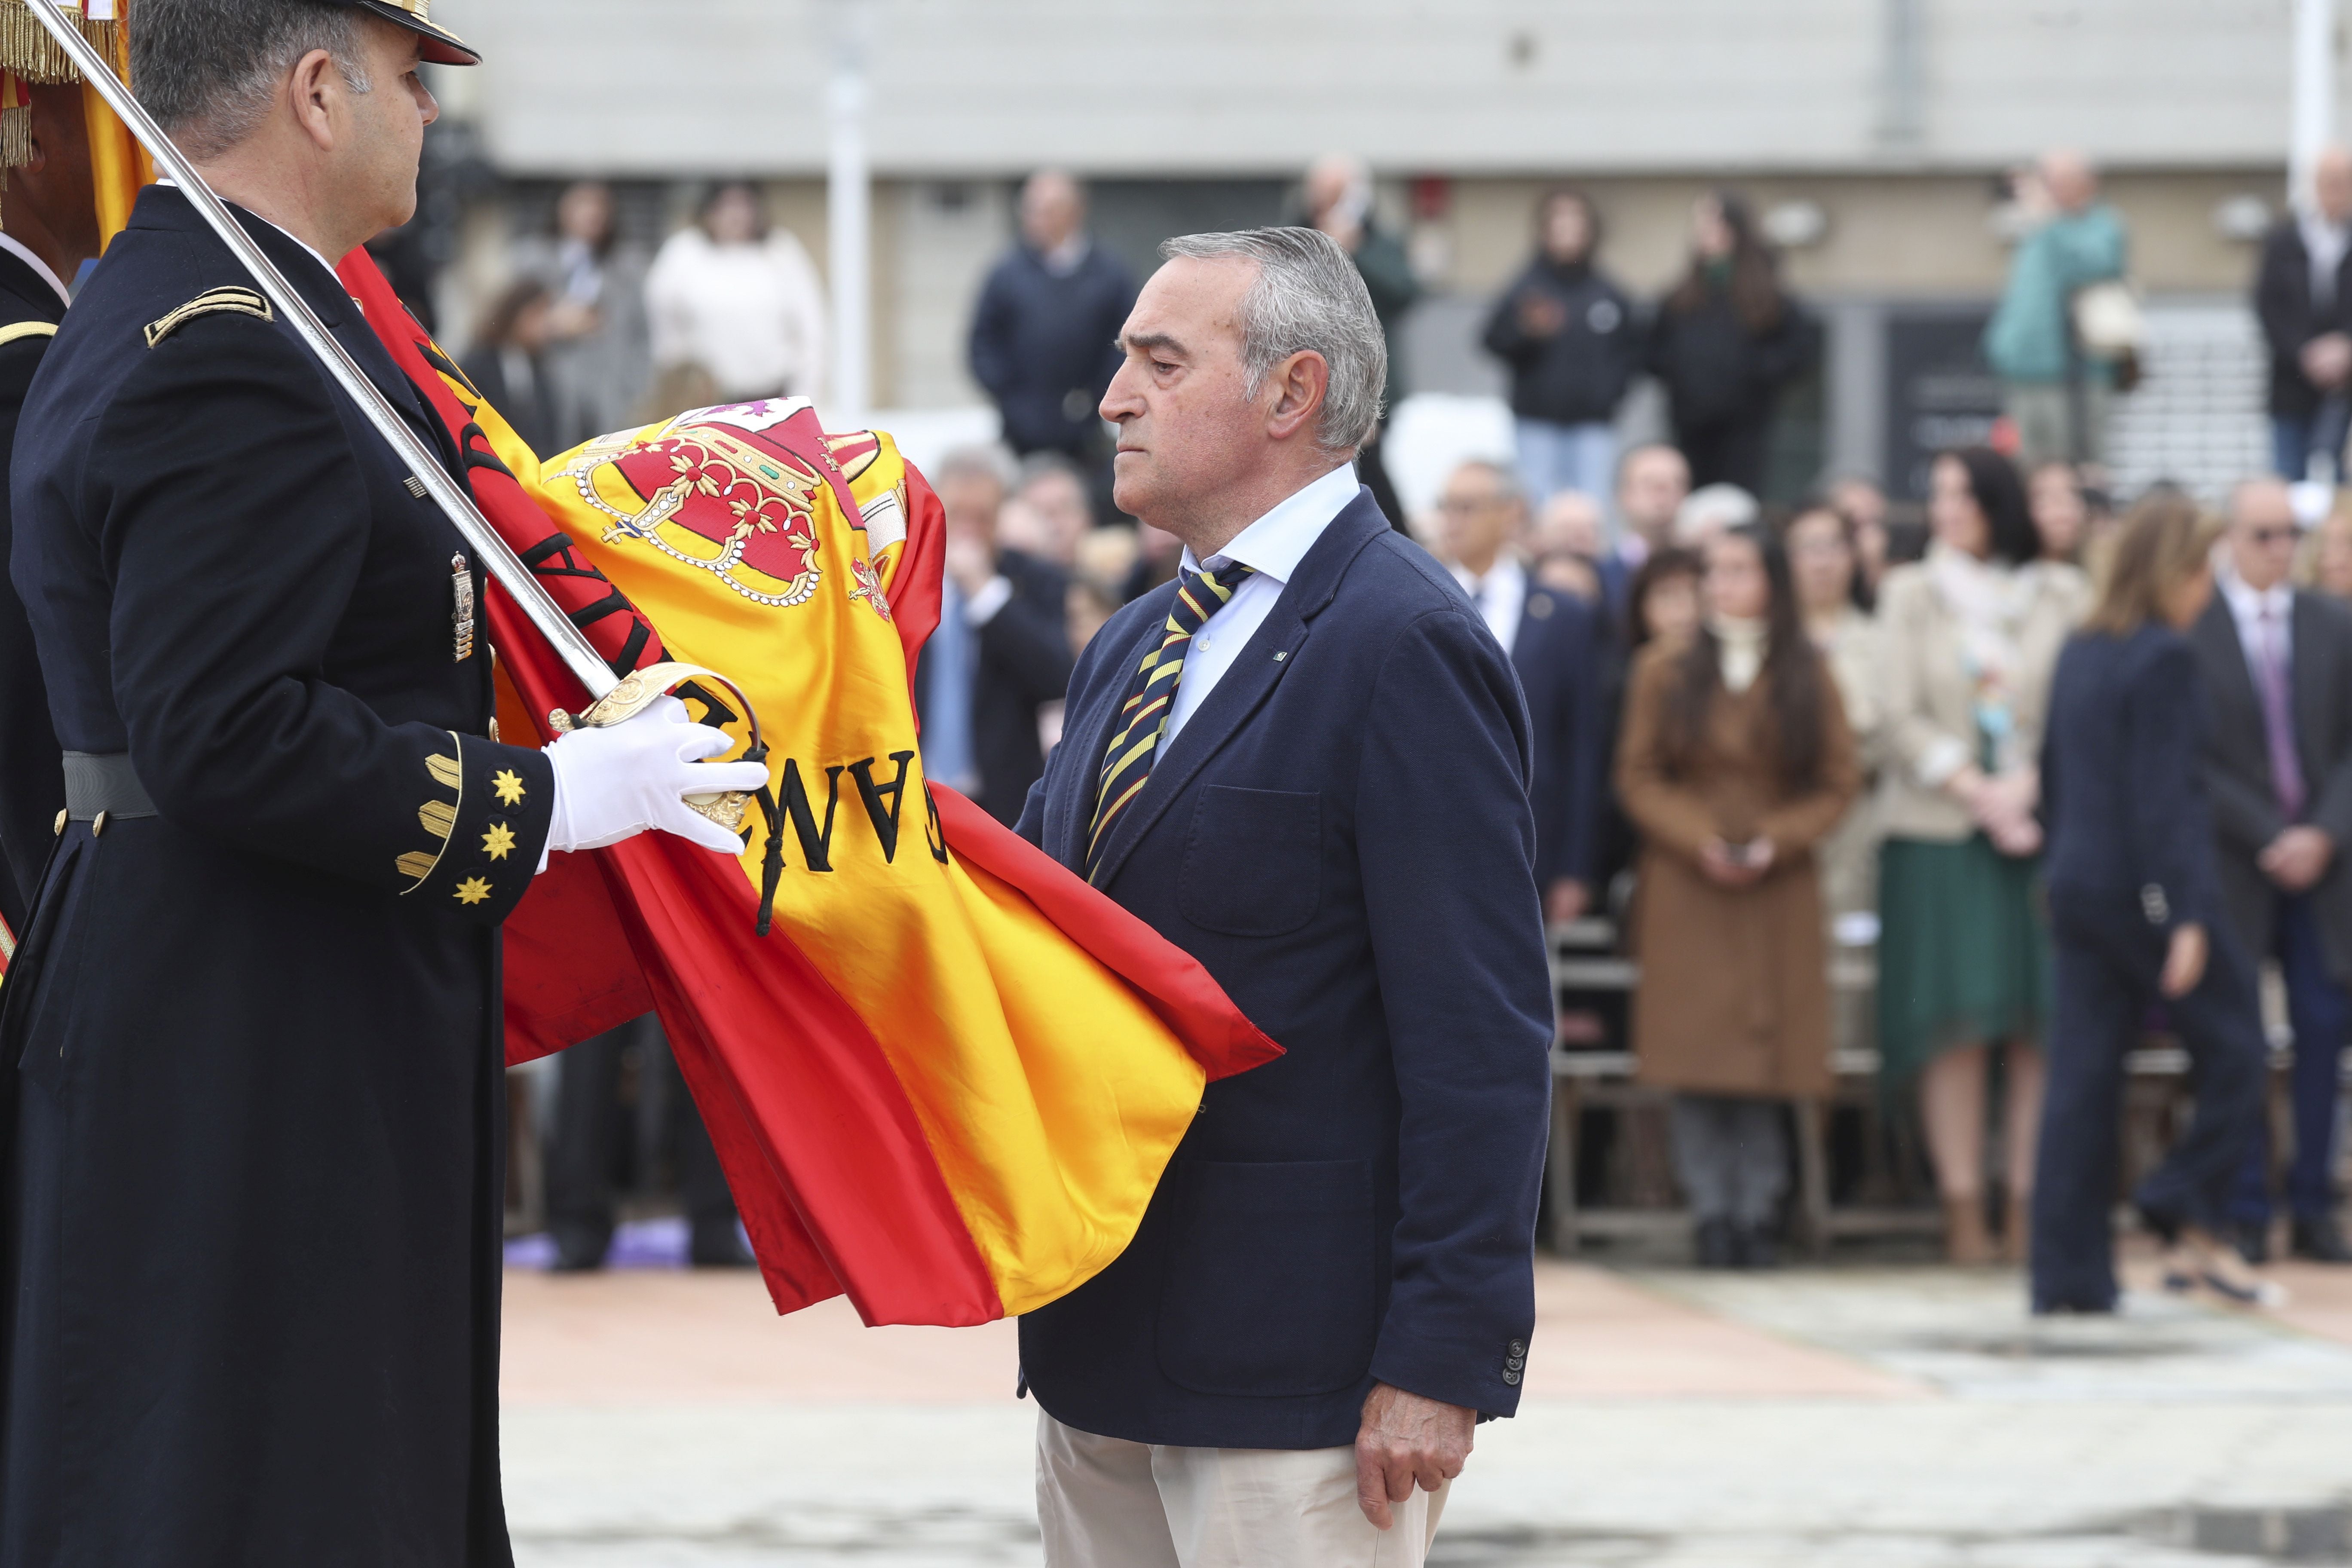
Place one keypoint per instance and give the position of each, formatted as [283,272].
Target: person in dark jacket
[1725,342]
[52,230]
[1002,650]
[1573,344]
[1556,647]
[1042,333]
[249,1235]
[509,365]
[2137,920]
[1337,195]
[2277,662]
[2303,296]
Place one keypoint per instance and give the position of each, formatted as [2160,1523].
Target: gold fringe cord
[26,48]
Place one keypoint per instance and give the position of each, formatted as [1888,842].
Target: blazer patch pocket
[1253,864]
[1271,1289]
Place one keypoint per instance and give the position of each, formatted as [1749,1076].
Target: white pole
[2313,112]
[849,220]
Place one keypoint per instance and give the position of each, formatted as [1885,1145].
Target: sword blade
[579,655]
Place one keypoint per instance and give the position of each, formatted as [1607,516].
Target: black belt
[103,785]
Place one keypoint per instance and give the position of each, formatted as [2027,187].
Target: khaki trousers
[1104,1502]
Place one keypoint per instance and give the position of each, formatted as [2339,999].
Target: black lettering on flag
[934,834]
[816,849]
[886,824]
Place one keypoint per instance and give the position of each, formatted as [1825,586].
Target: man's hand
[1407,1441]
[971,562]
[1540,315]
[2184,962]
[2298,858]
[1565,901]
[2327,359]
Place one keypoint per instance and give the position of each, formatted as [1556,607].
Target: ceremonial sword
[611,699]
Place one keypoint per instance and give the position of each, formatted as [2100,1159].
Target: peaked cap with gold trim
[442,47]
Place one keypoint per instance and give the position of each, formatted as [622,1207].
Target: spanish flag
[949,1078]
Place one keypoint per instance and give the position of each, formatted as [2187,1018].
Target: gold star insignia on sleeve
[474,890]
[499,841]
[508,785]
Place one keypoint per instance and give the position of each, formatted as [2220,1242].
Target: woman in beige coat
[1968,639]
[1735,762]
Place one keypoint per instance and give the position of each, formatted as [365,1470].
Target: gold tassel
[16,137]
[26,48]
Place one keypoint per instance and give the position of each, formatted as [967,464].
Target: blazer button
[1519,1347]
[1511,1378]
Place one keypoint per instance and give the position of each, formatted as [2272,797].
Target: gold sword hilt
[636,692]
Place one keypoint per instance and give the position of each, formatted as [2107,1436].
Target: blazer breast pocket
[1254,861]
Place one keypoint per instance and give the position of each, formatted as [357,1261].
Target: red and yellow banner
[948,1080]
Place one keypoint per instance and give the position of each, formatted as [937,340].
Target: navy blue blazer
[1558,656]
[2123,787]
[1341,834]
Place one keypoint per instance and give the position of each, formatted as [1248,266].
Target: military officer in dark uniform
[49,228]
[253,1189]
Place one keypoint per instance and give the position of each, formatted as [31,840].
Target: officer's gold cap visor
[442,47]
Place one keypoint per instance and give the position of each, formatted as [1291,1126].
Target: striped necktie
[1143,721]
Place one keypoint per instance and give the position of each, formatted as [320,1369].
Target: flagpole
[579,655]
[850,217]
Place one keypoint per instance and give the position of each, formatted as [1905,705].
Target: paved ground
[1913,1418]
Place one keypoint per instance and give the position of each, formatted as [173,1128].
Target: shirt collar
[170,183]
[2246,603]
[16,248]
[1273,545]
[1507,566]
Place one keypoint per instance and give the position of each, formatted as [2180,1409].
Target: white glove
[616,782]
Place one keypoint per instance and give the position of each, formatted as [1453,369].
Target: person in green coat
[2057,396]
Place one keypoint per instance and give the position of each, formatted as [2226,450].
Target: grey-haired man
[1305,763]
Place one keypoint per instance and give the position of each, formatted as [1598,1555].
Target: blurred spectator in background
[586,1145]
[1571,338]
[598,360]
[1736,762]
[1725,342]
[1862,502]
[2056,395]
[2134,907]
[1826,569]
[1044,331]
[738,298]
[1567,547]
[2303,294]
[2277,666]
[1711,509]
[1088,608]
[1050,485]
[1002,652]
[2053,493]
[1552,641]
[1662,606]
[1969,638]
[2326,560]
[508,367]
[1338,197]
[1651,484]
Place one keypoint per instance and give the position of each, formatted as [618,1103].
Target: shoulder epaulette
[17,332]
[245,302]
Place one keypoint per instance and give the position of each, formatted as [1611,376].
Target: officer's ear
[312,90]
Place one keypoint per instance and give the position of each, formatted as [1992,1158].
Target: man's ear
[1298,384]
[313,89]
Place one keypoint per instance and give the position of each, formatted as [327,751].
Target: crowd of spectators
[1757,732]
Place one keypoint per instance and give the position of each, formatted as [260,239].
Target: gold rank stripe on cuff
[243,301]
[437,816]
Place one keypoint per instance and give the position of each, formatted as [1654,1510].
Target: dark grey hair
[206,70]
[1307,296]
